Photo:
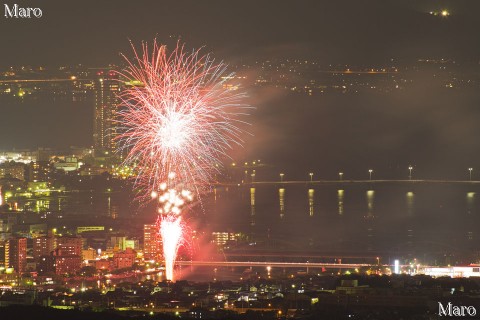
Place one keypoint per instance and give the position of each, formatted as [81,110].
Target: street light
[253,177]
[311,176]
[281,176]
[370,172]
[340,174]
[410,168]
[470,171]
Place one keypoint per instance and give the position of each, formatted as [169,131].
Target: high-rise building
[71,245]
[16,253]
[3,254]
[106,88]
[151,243]
[39,171]
[43,246]
[67,264]
[59,263]
[12,170]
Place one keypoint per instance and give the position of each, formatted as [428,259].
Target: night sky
[435,131]
[93,32]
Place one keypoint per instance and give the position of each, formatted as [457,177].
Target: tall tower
[152,247]
[106,88]
[16,252]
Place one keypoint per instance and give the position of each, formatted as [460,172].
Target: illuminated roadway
[298,255]
[273,264]
[300,182]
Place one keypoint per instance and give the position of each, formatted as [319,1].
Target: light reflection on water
[368,217]
[281,197]
[413,218]
[311,202]
[340,195]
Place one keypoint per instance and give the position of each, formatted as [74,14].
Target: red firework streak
[175,125]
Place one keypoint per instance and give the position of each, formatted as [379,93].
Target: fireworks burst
[181,117]
[175,125]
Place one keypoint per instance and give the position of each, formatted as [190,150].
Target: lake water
[431,221]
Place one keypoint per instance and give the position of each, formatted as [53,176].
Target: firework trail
[170,224]
[175,126]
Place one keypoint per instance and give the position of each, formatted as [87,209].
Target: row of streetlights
[340,175]
[370,171]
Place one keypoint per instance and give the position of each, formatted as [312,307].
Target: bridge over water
[348,182]
[266,264]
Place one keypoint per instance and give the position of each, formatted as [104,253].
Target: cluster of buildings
[282,296]
[34,247]
[63,255]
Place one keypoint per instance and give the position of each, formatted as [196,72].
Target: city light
[396,266]
[153,183]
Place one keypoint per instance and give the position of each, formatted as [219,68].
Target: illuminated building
[59,263]
[2,254]
[12,170]
[118,242]
[70,245]
[16,254]
[39,171]
[222,238]
[66,258]
[106,88]
[133,244]
[70,164]
[89,254]
[90,228]
[453,272]
[152,248]
[67,250]
[67,264]
[122,243]
[46,264]
[124,259]
[103,264]
[42,246]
